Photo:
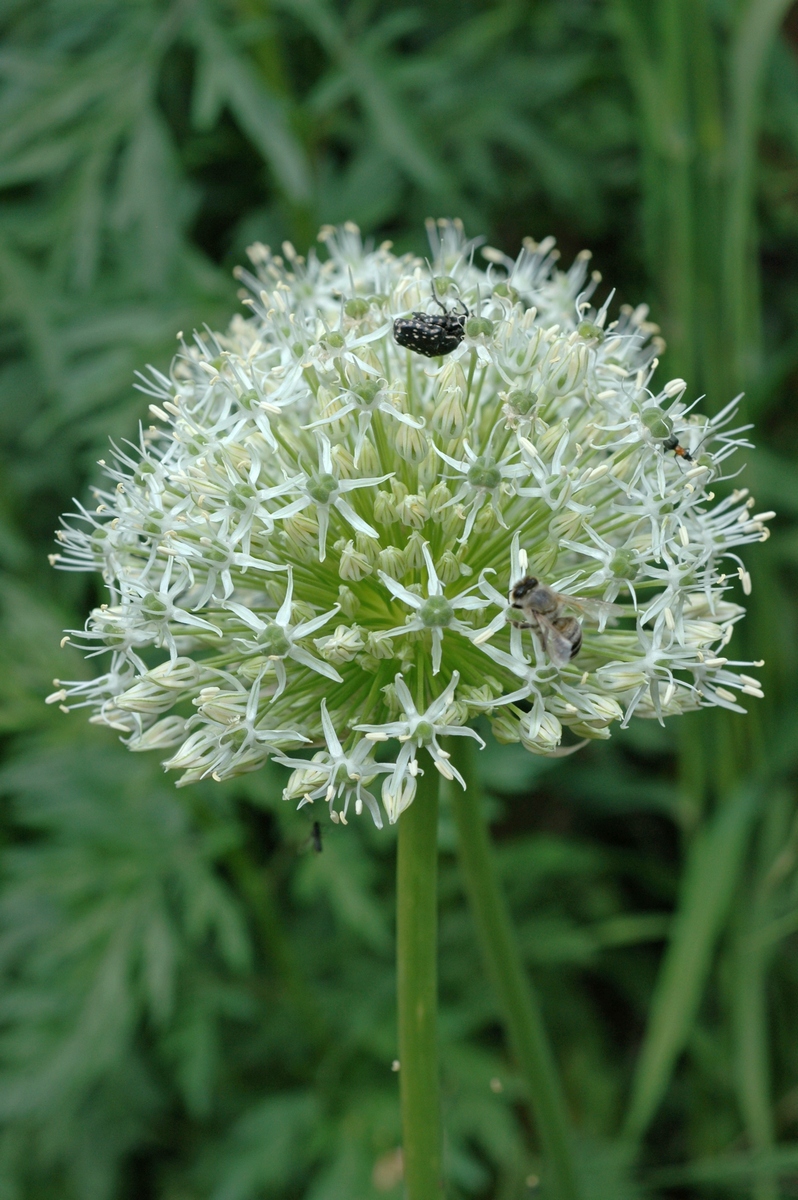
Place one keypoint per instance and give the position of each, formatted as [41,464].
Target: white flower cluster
[315,545]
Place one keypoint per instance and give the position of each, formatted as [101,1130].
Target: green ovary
[484,474]
[436,613]
[322,488]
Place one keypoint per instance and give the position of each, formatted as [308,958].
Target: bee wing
[556,645]
[599,610]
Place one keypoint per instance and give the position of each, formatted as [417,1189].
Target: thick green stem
[514,989]
[417,986]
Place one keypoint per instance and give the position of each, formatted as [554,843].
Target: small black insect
[431,334]
[315,834]
[672,443]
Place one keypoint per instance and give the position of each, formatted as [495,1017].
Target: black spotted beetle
[431,334]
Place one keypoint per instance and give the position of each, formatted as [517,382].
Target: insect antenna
[439,303]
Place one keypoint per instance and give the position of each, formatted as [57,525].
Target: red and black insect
[431,334]
[672,443]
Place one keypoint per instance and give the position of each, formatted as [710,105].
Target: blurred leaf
[225,77]
[709,879]
[269,1146]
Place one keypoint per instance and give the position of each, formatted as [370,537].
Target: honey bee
[541,607]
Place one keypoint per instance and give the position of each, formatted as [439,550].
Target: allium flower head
[316,544]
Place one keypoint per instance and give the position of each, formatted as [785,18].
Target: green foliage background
[193,1004]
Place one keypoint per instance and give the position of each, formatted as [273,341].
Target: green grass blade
[710,876]
[756,31]
[736,1169]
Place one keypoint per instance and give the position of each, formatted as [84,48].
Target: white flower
[277,638]
[304,465]
[483,476]
[336,774]
[434,612]
[419,730]
[228,735]
[323,489]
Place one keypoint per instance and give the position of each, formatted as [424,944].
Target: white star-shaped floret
[340,348]
[365,398]
[335,773]
[277,638]
[220,748]
[553,481]
[483,476]
[619,564]
[417,730]
[324,490]
[155,611]
[435,612]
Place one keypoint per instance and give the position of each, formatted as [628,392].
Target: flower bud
[343,462]
[447,567]
[398,793]
[226,708]
[451,377]
[595,730]
[411,443]
[393,562]
[181,673]
[486,520]
[254,668]
[456,714]
[353,566]
[414,511]
[437,499]
[547,737]
[329,404]
[414,552]
[428,470]
[621,677]
[368,546]
[342,645]
[304,780]
[348,601]
[367,459]
[385,511]
[169,731]
[448,417]
[380,648]
[196,751]
[702,633]
[302,531]
[145,697]
[565,524]
[506,727]
[548,443]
